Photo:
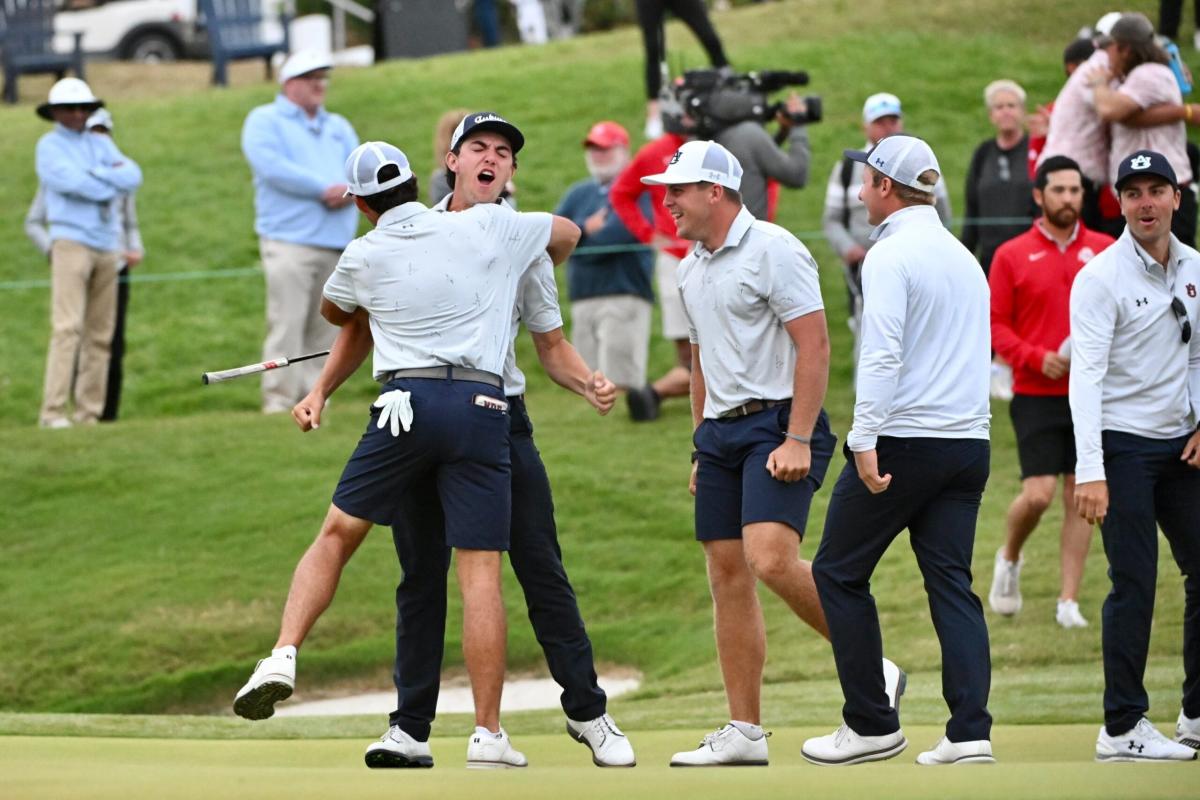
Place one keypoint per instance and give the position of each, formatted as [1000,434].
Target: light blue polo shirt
[294,159]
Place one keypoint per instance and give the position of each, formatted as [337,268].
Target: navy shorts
[463,446]
[733,487]
[1045,435]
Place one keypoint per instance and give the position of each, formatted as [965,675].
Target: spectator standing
[131,251]
[1135,400]
[611,292]
[1145,80]
[487,19]
[304,218]
[845,221]
[1169,14]
[83,175]
[1031,280]
[998,182]
[763,160]
[1074,55]
[651,16]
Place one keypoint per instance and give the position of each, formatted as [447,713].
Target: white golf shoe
[1068,615]
[727,747]
[1187,731]
[948,752]
[1005,596]
[273,680]
[610,747]
[397,750]
[1143,742]
[894,682]
[487,750]
[844,747]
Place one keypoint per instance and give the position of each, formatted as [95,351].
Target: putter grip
[237,372]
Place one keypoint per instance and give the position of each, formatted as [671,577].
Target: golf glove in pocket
[396,409]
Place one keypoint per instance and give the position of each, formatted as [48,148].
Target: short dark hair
[396,196]
[909,195]
[1078,51]
[1054,164]
[733,195]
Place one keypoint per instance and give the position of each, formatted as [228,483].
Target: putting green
[1051,761]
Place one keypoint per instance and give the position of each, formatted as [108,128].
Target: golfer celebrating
[918,459]
[440,340]
[760,364]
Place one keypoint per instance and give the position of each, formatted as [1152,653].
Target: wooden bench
[235,33]
[27,43]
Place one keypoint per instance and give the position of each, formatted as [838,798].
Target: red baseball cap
[607,134]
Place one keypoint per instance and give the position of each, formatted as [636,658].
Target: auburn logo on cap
[1140,162]
[675,158]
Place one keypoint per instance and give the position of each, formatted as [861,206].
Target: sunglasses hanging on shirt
[1185,325]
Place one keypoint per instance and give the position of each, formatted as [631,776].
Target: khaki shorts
[674,318]
[612,334]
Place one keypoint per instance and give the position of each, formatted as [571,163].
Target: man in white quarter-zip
[917,458]
[1135,401]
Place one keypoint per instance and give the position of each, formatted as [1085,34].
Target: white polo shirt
[537,306]
[1130,370]
[737,300]
[924,363]
[439,288]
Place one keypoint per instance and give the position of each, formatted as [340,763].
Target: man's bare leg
[316,577]
[1037,493]
[1076,539]
[772,551]
[485,631]
[738,625]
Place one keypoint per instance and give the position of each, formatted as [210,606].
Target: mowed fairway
[1042,761]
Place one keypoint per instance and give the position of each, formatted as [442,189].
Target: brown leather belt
[751,407]
[446,373]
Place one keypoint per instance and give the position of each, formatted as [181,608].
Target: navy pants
[537,562]
[1147,484]
[935,492]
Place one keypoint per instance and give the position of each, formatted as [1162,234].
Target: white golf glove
[397,409]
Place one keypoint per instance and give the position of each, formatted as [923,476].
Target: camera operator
[763,159]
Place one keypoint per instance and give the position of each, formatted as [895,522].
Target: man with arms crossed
[762,439]
[921,415]
[1135,399]
[440,360]
[1031,289]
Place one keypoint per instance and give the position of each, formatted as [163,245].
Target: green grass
[143,565]
[1033,762]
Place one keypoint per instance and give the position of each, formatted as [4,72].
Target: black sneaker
[643,404]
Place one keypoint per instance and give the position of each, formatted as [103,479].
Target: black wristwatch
[695,455]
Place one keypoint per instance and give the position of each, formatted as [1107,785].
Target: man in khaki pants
[83,175]
[304,219]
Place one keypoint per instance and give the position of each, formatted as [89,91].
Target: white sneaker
[1143,742]
[56,423]
[610,747]
[844,747]
[272,682]
[397,750]
[492,751]
[1068,615]
[727,747]
[1005,596]
[948,752]
[1187,731]
[1002,380]
[894,682]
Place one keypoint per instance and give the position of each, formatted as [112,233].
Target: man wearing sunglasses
[1135,402]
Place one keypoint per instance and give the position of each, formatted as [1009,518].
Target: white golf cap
[1102,30]
[700,161]
[367,161]
[100,118]
[901,158]
[881,105]
[68,92]
[303,62]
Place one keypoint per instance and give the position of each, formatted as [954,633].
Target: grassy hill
[143,565]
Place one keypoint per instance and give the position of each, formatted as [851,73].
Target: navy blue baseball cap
[487,121]
[1145,162]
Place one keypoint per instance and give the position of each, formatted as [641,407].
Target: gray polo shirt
[439,288]
[1130,370]
[537,306]
[737,301]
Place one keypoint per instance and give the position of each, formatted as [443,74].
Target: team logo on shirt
[1139,162]
[1086,255]
[1191,290]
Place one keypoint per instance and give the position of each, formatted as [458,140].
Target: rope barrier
[245,272]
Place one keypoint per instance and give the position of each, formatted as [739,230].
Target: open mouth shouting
[486,177]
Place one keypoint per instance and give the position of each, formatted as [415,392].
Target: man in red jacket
[1031,281]
[652,159]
